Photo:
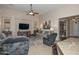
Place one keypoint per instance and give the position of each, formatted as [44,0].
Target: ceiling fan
[31,11]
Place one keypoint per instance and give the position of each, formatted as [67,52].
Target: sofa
[14,46]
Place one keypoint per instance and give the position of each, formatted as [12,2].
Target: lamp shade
[41,26]
[51,29]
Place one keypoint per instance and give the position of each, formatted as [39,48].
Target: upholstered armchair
[50,39]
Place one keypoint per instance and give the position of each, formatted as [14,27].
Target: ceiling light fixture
[31,12]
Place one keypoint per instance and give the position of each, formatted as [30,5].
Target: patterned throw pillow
[2,36]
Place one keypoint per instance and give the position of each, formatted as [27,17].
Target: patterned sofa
[15,46]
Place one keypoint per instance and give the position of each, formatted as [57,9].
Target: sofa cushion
[2,36]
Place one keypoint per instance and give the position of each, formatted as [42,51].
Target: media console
[24,33]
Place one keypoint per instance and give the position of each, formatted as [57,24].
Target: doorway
[68,27]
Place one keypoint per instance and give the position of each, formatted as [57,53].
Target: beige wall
[67,10]
[18,17]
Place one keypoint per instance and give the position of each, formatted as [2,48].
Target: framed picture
[47,25]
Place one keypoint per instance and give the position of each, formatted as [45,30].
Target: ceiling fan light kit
[31,13]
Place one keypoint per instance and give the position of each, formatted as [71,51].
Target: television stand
[24,33]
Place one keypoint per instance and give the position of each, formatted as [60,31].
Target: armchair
[50,39]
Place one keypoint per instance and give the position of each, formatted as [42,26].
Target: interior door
[62,29]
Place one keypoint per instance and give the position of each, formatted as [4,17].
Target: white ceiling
[40,8]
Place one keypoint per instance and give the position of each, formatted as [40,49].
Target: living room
[15,22]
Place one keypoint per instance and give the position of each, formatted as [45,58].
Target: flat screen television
[23,26]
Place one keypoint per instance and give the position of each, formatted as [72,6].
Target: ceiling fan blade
[27,14]
[33,15]
[36,13]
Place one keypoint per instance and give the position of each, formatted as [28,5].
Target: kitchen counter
[69,46]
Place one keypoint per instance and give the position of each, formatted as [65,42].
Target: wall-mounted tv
[23,26]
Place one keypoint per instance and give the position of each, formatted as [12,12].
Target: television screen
[23,26]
